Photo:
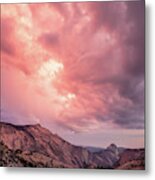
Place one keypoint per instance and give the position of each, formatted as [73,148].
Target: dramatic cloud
[78,66]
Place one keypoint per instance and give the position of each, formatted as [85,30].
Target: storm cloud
[101,46]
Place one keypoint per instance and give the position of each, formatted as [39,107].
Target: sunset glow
[74,68]
[49,70]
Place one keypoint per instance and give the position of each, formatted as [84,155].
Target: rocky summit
[35,146]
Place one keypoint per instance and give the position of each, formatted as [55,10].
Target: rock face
[35,146]
[36,140]
[110,156]
[132,159]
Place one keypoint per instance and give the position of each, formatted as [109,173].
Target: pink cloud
[101,47]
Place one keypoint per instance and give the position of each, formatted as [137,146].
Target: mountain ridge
[38,147]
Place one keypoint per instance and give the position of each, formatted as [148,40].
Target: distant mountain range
[35,146]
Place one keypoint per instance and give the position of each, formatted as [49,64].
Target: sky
[75,68]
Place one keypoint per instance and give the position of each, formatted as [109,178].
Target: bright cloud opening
[50,69]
